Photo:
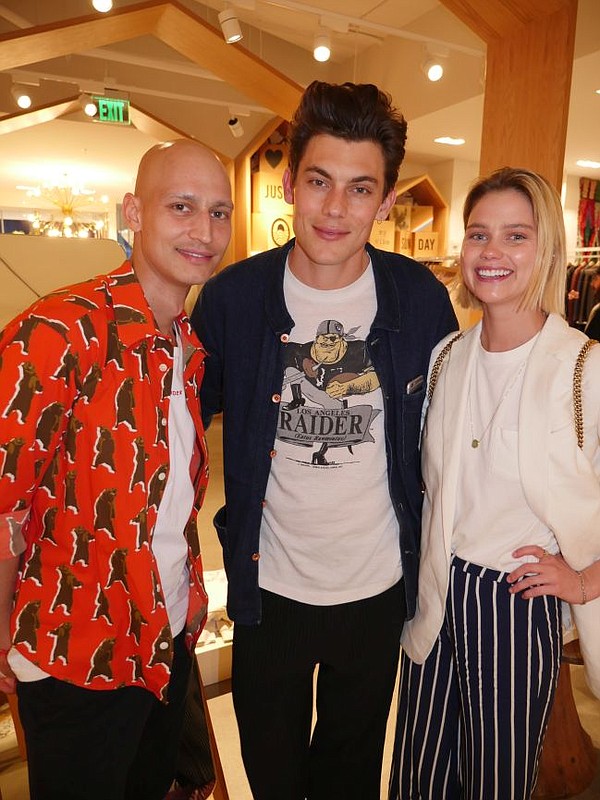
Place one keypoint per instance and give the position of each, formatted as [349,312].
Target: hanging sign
[112,109]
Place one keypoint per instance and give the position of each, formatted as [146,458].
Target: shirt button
[163,646]
[163,421]
[276,398]
[273,453]
[255,556]
[163,367]
[284,337]
[162,476]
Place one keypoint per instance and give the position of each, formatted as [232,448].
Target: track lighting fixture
[322,45]
[433,69]
[435,60]
[236,127]
[230,26]
[102,5]
[21,96]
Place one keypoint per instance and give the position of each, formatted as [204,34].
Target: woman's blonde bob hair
[546,289]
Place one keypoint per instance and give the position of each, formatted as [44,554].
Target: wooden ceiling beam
[141,119]
[57,39]
[199,42]
[172,24]
[36,116]
[153,126]
[494,19]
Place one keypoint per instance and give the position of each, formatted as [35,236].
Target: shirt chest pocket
[504,453]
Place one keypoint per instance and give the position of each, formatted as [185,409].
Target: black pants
[118,744]
[355,646]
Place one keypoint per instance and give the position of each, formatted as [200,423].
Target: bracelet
[579,573]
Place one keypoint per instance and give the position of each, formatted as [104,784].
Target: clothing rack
[582,256]
[580,296]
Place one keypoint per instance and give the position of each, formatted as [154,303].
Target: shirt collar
[133,316]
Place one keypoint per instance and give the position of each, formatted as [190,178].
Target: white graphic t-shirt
[329,533]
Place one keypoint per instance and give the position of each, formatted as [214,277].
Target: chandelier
[69,199]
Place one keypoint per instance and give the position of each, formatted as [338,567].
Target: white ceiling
[385,43]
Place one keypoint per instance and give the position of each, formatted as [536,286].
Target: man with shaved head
[103,466]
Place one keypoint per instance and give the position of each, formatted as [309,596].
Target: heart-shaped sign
[273,157]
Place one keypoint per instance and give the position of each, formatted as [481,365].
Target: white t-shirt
[329,533]
[492,516]
[169,544]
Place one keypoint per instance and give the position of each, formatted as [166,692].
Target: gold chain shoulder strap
[577,379]
[437,365]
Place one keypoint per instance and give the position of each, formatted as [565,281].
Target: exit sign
[112,109]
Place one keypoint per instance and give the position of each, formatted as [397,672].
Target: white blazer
[561,482]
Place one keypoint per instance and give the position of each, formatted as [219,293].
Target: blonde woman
[511,521]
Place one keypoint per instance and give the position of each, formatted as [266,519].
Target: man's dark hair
[355,112]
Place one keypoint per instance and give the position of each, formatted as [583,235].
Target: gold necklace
[476,441]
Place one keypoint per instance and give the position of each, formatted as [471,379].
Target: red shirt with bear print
[84,459]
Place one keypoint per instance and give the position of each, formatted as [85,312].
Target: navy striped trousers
[472,718]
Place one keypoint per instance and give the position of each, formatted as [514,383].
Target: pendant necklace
[476,440]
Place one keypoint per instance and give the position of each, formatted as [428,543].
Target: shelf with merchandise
[420,216]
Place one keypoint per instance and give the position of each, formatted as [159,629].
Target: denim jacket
[243,323]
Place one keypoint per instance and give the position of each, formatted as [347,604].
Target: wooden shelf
[425,193]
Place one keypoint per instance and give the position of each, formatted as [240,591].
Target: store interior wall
[32,266]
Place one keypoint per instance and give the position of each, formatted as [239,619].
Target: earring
[379,221]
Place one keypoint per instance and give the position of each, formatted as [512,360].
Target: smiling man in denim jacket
[317,355]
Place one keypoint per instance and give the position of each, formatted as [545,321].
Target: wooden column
[242,219]
[528,80]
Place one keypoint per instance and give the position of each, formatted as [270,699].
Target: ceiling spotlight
[435,59]
[89,107]
[454,141]
[21,96]
[588,164]
[236,128]
[230,26]
[102,5]
[322,45]
[433,69]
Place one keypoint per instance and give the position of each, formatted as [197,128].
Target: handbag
[577,380]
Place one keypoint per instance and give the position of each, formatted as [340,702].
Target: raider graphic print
[323,378]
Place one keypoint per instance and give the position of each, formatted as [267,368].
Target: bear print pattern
[84,460]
